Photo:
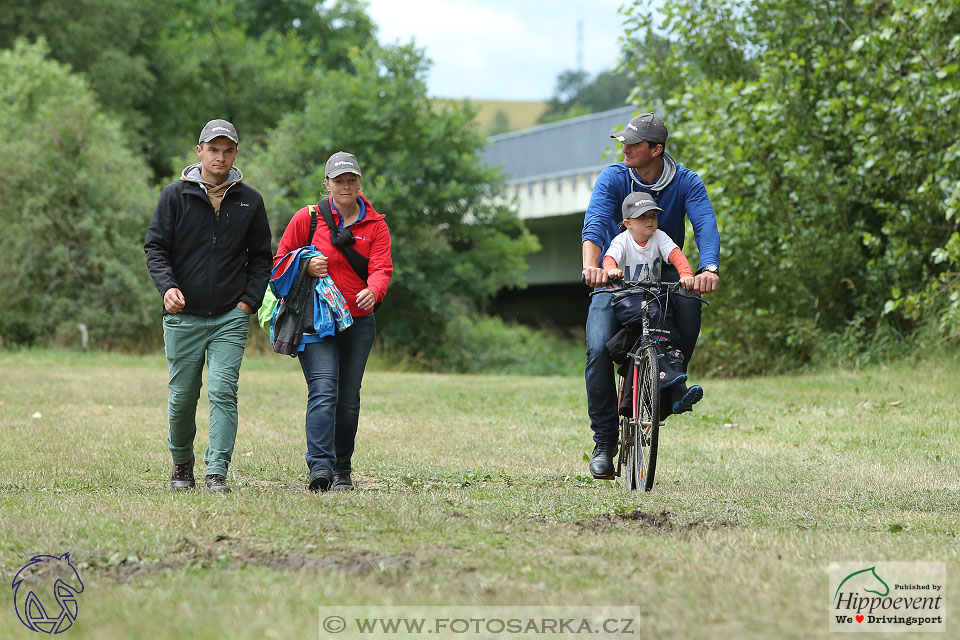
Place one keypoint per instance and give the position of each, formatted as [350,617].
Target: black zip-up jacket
[216,262]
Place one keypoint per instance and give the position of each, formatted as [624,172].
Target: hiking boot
[693,395]
[182,476]
[342,482]
[601,462]
[217,483]
[320,481]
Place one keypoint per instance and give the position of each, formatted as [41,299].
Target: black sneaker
[320,481]
[217,483]
[693,395]
[601,462]
[182,476]
[342,482]
[671,369]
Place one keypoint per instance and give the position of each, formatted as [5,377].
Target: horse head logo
[867,580]
[57,581]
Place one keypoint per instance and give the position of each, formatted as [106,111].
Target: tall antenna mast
[580,44]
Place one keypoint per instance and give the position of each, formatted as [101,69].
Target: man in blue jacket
[208,251]
[681,194]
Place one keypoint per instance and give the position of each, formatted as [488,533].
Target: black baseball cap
[217,128]
[638,203]
[646,126]
[342,162]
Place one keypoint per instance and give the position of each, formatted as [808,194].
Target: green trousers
[187,341]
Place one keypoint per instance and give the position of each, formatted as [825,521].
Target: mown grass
[472,492]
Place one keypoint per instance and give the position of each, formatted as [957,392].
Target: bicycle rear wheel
[644,427]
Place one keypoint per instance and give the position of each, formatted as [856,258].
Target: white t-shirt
[641,263]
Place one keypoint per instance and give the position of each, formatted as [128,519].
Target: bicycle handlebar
[649,285]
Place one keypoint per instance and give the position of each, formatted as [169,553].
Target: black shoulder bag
[342,239]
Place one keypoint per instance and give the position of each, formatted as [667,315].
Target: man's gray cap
[638,203]
[646,126]
[217,128]
[342,162]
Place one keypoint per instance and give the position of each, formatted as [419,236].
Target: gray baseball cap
[217,128]
[342,162]
[646,126]
[638,203]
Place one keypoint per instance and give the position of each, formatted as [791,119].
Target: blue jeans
[333,370]
[599,373]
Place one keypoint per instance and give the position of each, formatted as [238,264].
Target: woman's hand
[366,299]
[317,267]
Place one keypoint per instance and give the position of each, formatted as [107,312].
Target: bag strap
[313,226]
[357,260]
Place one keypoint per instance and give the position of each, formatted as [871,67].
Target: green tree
[453,245]
[110,41]
[165,69]
[825,133]
[577,94]
[500,124]
[74,204]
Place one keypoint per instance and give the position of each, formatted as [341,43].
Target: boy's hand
[614,273]
[687,283]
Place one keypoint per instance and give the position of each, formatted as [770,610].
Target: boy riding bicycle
[638,254]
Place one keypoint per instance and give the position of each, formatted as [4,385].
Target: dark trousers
[333,369]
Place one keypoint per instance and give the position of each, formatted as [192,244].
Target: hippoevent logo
[888,596]
[45,593]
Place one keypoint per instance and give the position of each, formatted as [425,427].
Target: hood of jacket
[192,174]
[666,176]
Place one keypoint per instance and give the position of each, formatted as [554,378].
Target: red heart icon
[859,618]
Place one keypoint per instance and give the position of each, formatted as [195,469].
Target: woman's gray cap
[646,126]
[638,203]
[342,162]
[217,128]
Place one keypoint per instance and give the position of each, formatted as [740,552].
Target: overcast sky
[502,49]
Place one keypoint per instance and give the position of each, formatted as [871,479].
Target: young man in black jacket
[208,251]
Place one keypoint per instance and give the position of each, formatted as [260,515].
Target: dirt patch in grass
[227,554]
[663,522]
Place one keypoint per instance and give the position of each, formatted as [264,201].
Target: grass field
[472,492]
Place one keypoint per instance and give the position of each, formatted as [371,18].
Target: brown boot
[182,476]
[217,483]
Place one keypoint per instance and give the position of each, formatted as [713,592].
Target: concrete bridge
[551,171]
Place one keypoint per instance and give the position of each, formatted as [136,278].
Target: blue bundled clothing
[330,311]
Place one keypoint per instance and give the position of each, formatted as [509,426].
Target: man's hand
[173,300]
[245,307]
[317,267]
[366,299]
[705,282]
[594,276]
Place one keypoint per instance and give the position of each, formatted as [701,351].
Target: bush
[485,344]
[75,203]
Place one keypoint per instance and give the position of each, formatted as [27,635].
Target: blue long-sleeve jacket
[686,195]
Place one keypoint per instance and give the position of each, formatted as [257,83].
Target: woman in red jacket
[333,366]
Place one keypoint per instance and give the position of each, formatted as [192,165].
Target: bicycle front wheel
[647,418]
[639,432]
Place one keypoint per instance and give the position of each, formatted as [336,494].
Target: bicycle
[640,429]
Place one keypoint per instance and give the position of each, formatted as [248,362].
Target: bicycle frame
[639,432]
